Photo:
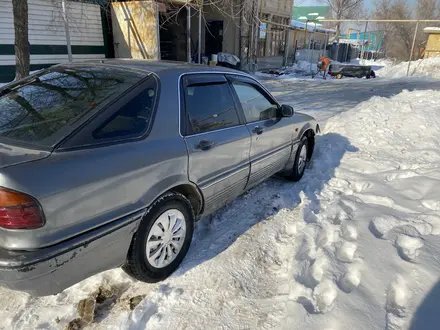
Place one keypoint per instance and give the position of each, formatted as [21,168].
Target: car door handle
[258,130]
[205,145]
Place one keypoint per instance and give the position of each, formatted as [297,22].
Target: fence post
[363,43]
[412,48]
[66,26]
[286,47]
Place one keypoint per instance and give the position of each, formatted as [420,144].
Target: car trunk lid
[13,155]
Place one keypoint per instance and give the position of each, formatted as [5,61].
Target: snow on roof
[310,27]
[432,29]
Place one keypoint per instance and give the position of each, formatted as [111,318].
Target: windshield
[41,109]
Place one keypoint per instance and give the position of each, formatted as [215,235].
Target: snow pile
[429,67]
[375,64]
[304,66]
[354,245]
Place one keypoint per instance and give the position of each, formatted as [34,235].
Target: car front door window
[209,107]
[255,105]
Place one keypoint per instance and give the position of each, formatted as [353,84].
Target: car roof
[158,67]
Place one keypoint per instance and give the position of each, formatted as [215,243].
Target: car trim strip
[271,153]
[221,177]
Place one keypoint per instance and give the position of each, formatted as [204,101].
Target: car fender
[174,183]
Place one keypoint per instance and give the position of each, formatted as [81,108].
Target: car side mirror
[286,110]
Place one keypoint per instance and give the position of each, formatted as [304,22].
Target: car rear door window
[255,105]
[42,109]
[132,120]
[209,107]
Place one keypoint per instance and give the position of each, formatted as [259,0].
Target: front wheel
[162,240]
[301,160]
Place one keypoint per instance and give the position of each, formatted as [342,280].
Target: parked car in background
[107,164]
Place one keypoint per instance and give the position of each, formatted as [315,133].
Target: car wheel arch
[193,194]
[310,134]
[178,184]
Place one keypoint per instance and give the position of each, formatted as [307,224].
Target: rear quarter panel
[81,190]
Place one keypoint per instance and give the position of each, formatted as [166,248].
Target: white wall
[46,28]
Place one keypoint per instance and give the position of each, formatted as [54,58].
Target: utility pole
[412,48]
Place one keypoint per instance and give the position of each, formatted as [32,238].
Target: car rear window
[40,110]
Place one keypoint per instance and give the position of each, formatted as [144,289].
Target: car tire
[141,262]
[301,159]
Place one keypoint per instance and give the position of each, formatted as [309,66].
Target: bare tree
[344,9]
[428,9]
[21,44]
[399,36]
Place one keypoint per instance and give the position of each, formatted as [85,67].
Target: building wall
[279,12]
[230,29]
[433,45]
[281,8]
[371,41]
[47,36]
[135,29]
[297,37]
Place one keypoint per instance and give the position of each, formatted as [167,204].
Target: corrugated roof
[310,27]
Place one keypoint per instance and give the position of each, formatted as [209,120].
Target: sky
[368,3]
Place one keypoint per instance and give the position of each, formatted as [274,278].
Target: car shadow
[216,233]
[427,316]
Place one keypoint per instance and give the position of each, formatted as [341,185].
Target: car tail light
[19,211]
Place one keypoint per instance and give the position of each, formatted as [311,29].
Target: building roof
[299,11]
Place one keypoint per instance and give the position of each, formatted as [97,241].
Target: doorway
[213,37]
[172,34]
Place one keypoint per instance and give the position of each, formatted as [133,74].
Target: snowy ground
[353,245]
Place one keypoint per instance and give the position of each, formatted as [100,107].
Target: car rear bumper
[52,269]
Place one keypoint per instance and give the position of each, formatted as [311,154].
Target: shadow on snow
[217,232]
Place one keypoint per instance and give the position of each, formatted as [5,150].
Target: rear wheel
[162,240]
[301,159]
[339,76]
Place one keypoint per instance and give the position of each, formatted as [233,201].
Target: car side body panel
[221,172]
[94,197]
